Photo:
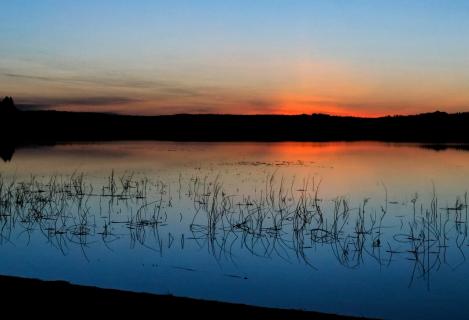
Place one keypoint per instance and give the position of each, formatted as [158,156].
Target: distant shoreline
[50,127]
[48,296]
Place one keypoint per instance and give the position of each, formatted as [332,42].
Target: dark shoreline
[437,131]
[47,295]
[49,127]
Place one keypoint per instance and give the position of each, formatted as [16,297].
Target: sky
[345,57]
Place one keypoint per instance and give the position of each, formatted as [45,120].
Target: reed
[282,221]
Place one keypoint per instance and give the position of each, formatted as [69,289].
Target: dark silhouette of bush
[7,105]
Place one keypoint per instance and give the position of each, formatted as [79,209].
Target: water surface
[367,229]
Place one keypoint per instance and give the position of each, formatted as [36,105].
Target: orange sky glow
[369,59]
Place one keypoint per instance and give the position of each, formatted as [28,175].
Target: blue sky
[367,57]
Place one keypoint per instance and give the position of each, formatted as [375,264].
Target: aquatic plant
[284,219]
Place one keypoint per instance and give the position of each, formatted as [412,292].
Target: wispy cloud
[109,84]
[115,81]
[51,103]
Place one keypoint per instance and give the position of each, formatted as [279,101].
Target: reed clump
[286,220]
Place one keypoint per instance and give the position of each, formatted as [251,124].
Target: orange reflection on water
[358,169]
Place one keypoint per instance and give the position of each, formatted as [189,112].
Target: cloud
[25,76]
[33,106]
[259,103]
[109,84]
[97,101]
[183,109]
[51,103]
[114,81]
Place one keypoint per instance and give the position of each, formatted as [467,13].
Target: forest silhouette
[49,127]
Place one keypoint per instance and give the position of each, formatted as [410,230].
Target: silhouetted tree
[8,105]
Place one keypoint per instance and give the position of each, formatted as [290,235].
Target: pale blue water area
[367,229]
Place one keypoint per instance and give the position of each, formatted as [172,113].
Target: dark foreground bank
[48,297]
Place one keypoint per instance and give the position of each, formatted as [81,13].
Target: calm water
[363,229]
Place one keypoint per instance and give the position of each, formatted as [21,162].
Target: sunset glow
[361,58]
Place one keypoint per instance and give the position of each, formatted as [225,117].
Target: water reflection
[443,147]
[287,220]
[6,151]
[345,228]
[114,149]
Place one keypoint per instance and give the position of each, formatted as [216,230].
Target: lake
[368,229]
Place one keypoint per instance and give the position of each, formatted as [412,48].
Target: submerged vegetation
[289,221]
